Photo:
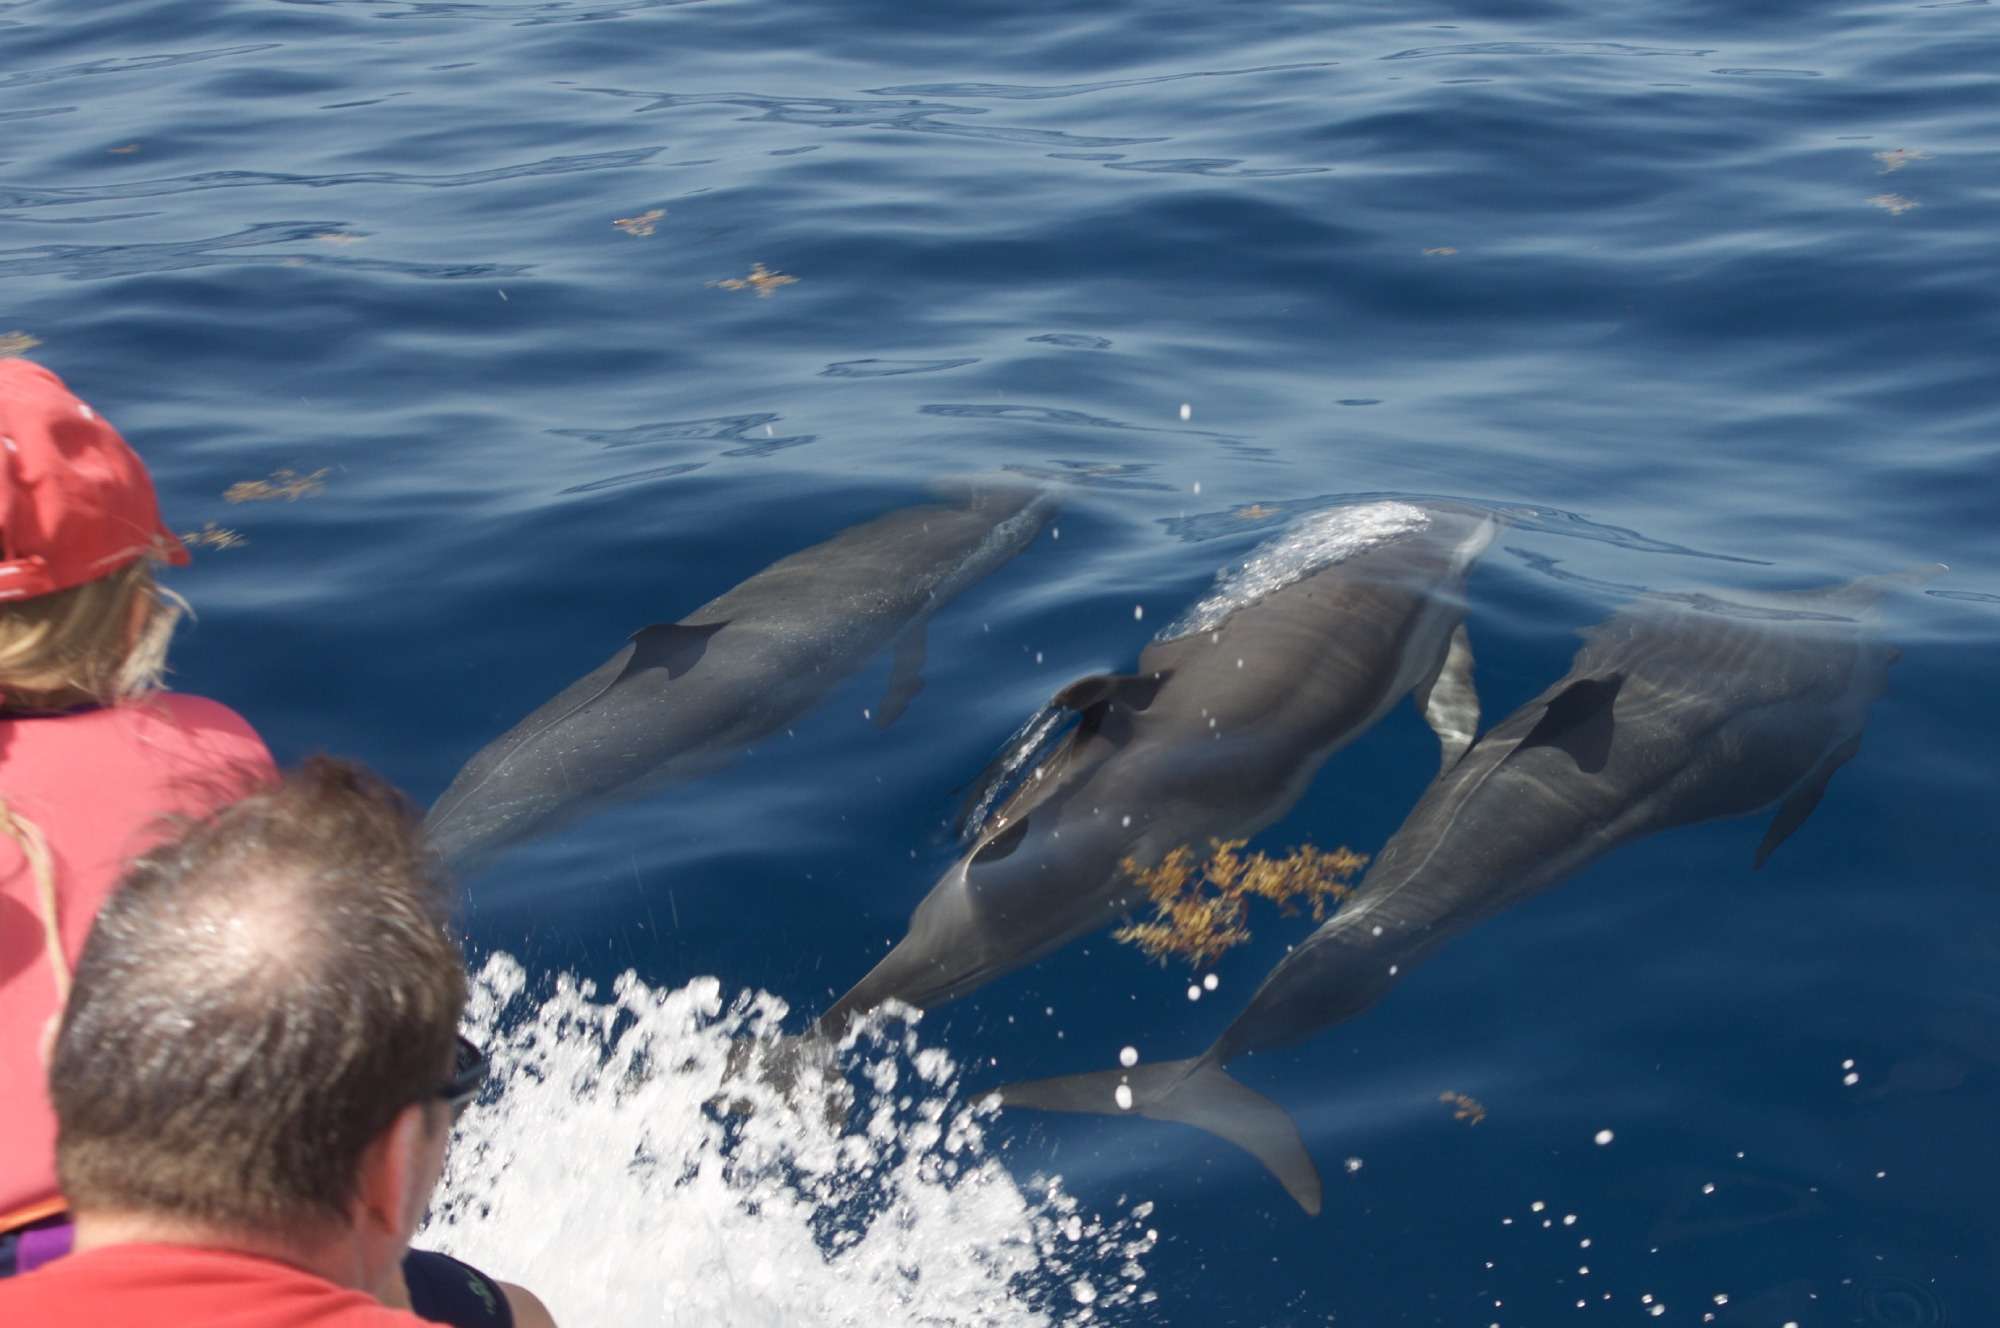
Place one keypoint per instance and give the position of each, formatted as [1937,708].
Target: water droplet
[1128,1057]
[1211,982]
[1138,612]
[1604,1137]
[1187,412]
[1122,1095]
[1353,1165]
[1194,993]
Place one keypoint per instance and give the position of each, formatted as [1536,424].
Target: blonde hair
[77,646]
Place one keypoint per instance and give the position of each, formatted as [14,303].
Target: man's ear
[389,1168]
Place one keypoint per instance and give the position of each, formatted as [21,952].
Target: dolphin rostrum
[682,699]
[1666,718]
[1231,712]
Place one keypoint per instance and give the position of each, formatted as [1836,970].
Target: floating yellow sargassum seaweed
[212,536]
[1200,908]
[17,342]
[642,224]
[765,281]
[286,484]
[1464,1107]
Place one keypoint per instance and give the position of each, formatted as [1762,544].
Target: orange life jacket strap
[34,1212]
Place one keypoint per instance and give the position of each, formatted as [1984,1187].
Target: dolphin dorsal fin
[1094,697]
[675,647]
[1799,803]
[1579,721]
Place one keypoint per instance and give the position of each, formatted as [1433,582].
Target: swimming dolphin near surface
[682,699]
[1230,714]
[1667,717]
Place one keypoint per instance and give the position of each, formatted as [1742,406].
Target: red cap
[75,501]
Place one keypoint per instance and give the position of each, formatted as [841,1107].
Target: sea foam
[1316,541]
[598,1174]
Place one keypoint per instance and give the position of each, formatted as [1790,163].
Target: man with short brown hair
[256,1072]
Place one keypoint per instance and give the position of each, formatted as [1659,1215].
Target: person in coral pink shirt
[92,754]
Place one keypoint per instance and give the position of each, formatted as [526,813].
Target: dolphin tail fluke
[1193,1092]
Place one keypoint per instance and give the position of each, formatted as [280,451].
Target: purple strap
[43,1243]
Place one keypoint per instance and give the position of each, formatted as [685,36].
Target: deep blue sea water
[1709,295]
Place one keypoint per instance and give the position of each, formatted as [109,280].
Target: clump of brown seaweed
[765,281]
[212,536]
[641,225]
[286,484]
[1465,1107]
[1200,908]
[17,342]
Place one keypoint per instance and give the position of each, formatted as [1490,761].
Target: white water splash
[1317,541]
[1025,746]
[600,1179]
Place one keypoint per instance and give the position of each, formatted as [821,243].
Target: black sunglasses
[468,1075]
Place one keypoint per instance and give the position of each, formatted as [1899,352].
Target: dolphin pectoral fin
[675,647]
[1449,701]
[906,676]
[1799,804]
[1194,1092]
[1579,721]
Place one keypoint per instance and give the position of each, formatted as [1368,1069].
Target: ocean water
[1704,298]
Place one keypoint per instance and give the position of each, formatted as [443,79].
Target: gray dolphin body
[1216,735]
[683,699]
[1666,718]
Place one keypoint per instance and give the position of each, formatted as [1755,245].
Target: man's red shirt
[147,1285]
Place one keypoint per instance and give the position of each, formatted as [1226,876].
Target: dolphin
[682,699]
[1229,715]
[1667,717]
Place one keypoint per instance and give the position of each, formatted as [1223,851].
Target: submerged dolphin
[682,699]
[1666,718]
[1294,654]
